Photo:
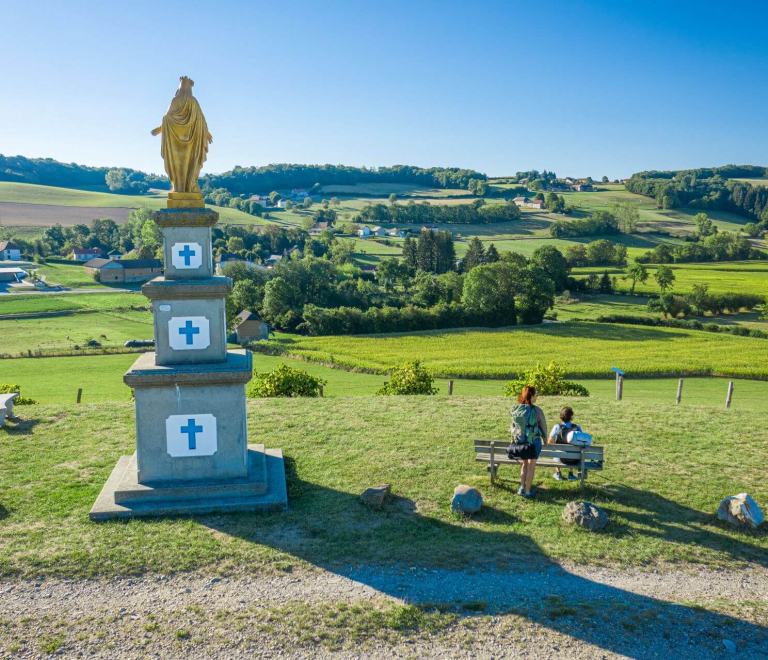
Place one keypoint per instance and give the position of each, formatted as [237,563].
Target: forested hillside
[50,172]
[244,180]
[706,188]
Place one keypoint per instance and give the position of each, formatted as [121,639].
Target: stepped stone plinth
[192,452]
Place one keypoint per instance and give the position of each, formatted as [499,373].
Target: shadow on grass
[401,552]
[22,427]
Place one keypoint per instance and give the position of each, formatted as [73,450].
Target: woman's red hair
[526,395]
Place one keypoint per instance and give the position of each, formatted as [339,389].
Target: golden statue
[184,146]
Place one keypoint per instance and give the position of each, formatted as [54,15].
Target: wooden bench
[494,452]
[6,407]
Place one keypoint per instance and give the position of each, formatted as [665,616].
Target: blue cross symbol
[191,429]
[189,330]
[186,254]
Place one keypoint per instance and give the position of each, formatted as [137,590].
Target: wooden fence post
[79,394]
[450,387]
[730,394]
[321,390]
[679,390]
[619,387]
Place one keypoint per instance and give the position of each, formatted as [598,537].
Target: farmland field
[723,277]
[54,201]
[23,304]
[49,332]
[588,350]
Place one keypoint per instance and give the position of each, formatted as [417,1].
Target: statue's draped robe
[184,143]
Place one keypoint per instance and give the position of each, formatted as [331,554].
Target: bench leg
[582,471]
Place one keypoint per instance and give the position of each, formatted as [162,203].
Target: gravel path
[560,612]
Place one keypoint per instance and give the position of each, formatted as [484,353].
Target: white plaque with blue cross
[189,333]
[191,435]
[186,256]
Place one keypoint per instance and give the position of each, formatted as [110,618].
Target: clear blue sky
[581,88]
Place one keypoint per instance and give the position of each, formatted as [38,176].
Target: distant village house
[9,251]
[85,254]
[249,328]
[528,203]
[130,270]
[115,254]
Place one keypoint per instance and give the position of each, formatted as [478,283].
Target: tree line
[50,172]
[706,188]
[245,180]
[477,212]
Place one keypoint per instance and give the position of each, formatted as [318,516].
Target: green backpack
[525,426]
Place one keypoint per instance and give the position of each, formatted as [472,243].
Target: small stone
[215,580]
[740,511]
[376,495]
[585,514]
[466,500]
[727,643]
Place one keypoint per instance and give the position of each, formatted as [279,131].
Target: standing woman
[534,430]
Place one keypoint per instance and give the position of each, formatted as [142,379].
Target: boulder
[740,511]
[585,514]
[376,495]
[466,500]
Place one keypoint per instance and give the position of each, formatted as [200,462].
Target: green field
[74,276]
[24,304]
[661,488]
[28,193]
[587,349]
[722,277]
[65,331]
[56,380]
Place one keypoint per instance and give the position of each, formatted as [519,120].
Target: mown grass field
[661,490]
[67,330]
[23,304]
[56,380]
[74,276]
[722,277]
[588,349]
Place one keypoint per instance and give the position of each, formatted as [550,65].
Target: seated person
[559,436]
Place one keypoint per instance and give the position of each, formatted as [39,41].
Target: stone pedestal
[192,452]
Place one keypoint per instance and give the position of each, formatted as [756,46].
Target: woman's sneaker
[572,477]
[521,491]
[558,476]
[528,496]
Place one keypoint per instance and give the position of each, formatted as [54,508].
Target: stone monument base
[264,489]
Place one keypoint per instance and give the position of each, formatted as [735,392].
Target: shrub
[410,378]
[712,327]
[284,381]
[549,380]
[6,388]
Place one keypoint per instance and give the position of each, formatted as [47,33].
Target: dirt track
[45,215]
[574,613]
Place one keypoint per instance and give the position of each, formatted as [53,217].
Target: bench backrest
[5,399]
[591,453]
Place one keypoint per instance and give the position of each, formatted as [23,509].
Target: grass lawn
[49,332]
[661,487]
[588,350]
[73,276]
[24,304]
[56,380]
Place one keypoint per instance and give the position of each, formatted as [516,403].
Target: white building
[85,254]
[9,251]
[364,231]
